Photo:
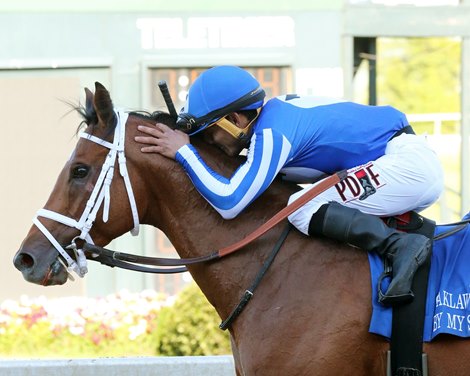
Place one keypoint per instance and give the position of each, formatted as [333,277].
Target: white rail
[435,118]
[145,366]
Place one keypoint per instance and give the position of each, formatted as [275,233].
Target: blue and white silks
[301,137]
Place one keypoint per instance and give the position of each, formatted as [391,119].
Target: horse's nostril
[23,261]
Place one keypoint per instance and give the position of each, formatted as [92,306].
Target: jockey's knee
[300,221]
[308,216]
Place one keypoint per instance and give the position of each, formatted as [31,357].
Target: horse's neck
[195,228]
[192,225]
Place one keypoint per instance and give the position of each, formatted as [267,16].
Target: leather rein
[147,264]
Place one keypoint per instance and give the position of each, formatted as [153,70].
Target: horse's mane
[90,118]
[88,115]
[156,116]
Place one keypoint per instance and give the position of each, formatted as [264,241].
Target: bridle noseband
[100,195]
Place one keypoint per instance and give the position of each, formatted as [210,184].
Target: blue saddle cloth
[448,296]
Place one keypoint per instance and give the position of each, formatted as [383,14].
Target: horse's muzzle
[45,274]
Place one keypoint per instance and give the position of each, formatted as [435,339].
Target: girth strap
[408,320]
[250,291]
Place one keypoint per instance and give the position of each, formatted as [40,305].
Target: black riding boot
[407,252]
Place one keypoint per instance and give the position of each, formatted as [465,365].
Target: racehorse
[310,313]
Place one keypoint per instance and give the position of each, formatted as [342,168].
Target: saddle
[409,222]
[405,357]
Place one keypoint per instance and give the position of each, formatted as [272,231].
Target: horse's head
[84,205]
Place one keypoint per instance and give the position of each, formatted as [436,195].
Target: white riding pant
[408,177]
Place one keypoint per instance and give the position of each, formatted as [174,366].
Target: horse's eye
[79,172]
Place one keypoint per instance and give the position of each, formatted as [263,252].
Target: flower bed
[122,324]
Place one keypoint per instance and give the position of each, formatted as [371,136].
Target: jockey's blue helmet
[217,92]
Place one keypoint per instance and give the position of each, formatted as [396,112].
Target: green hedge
[191,327]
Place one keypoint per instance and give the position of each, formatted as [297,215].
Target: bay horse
[311,312]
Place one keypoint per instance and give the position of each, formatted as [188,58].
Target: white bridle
[100,195]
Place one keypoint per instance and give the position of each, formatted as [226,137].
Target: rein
[99,196]
[458,226]
[128,261]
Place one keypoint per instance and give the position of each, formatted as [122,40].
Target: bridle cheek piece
[100,195]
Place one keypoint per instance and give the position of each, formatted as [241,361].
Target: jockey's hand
[161,139]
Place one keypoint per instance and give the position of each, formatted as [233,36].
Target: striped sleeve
[268,153]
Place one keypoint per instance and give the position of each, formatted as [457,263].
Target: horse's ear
[103,105]
[88,101]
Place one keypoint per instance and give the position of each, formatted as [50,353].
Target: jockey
[390,169]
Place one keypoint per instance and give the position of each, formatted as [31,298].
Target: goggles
[232,129]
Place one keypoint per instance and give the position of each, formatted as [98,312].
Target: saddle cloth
[448,295]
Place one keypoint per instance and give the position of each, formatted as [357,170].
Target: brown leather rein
[137,262]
